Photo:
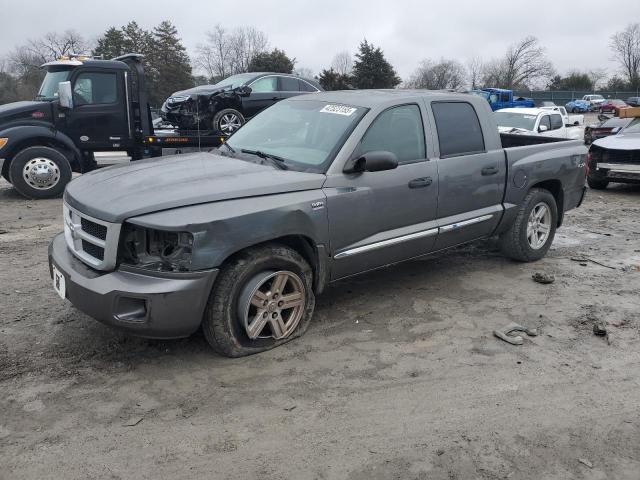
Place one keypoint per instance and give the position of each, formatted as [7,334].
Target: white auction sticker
[338,109]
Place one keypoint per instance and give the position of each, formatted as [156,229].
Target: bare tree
[626,51]
[523,65]
[597,77]
[304,72]
[229,52]
[474,72]
[46,48]
[445,74]
[342,63]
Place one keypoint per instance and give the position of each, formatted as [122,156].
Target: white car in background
[594,100]
[535,121]
[569,120]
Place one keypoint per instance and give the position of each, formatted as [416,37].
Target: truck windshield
[49,88]
[515,120]
[305,134]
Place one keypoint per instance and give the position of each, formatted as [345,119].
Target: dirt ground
[398,377]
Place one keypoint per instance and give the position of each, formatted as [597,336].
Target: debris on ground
[503,333]
[544,278]
[583,262]
[132,422]
[600,328]
[586,462]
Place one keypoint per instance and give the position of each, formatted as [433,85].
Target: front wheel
[228,121]
[532,232]
[261,299]
[40,172]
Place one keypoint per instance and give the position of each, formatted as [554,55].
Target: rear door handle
[420,182]
[489,170]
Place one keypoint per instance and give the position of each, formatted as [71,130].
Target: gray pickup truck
[312,190]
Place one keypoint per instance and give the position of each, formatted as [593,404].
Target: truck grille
[93,241]
[620,156]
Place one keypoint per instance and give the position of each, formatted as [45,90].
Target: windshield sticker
[338,109]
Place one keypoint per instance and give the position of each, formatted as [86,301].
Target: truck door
[379,218]
[98,119]
[470,177]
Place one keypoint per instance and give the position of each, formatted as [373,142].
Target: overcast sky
[575,33]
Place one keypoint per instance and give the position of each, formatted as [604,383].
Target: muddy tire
[531,234]
[261,299]
[597,183]
[227,121]
[40,172]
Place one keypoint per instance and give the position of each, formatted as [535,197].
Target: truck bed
[510,140]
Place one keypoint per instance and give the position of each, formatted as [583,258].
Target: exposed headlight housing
[157,250]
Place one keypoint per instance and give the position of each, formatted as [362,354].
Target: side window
[545,121]
[288,84]
[398,130]
[556,122]
[95,88]
[307,87]
[459,131]
[265,84]
[505,97]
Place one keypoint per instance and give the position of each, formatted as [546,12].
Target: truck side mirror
[65,95]
[375,161]
[543,128]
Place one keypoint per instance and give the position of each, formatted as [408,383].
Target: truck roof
[373,98]
[528,111]
[75,62]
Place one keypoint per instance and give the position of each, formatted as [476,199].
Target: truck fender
[31,135]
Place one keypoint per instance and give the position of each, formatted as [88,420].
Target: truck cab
[84,105]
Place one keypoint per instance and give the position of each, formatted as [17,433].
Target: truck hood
[116,193]
[24,110]
[621,141]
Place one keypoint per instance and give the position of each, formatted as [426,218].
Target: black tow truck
[84,105]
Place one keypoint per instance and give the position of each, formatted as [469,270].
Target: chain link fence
[560,97]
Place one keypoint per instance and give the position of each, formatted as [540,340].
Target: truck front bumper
[152,305]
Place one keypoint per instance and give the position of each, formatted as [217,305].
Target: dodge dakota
[314,189]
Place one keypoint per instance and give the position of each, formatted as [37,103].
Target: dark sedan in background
[225,106]
[633,101]
[609,106]
[606,127]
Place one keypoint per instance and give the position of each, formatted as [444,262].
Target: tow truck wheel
[261,299]
[40,172]
[228,121]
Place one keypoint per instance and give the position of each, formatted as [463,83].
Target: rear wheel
[40,172]
[261,299]
[532,232]
[228,121]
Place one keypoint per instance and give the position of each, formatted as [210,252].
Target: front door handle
[275,99]
[489,170]
[420,182]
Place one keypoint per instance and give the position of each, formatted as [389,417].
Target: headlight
[157,250]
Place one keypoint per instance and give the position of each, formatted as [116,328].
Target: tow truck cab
[84,105]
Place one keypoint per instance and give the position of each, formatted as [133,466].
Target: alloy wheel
[229,123]
[272,304]
[539,226]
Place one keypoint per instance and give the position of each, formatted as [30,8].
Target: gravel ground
[398,377]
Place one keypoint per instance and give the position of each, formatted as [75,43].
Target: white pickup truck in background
[569,120]
[535,121]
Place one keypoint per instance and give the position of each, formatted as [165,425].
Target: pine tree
[111,44]
[332,80]
[276,61]
[372,70]
[171,66]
